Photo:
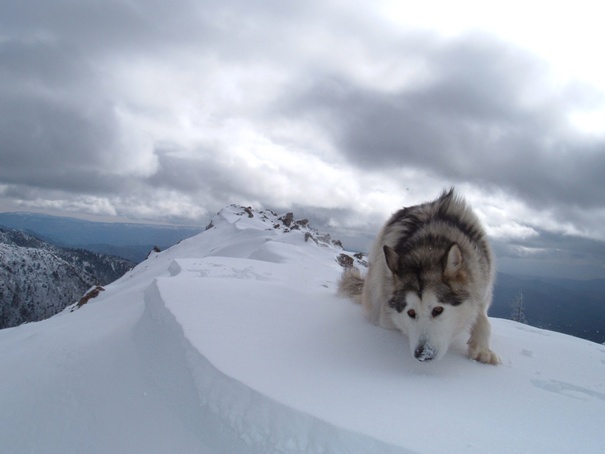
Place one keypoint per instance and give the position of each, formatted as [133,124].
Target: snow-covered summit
[234,341]
[244,233]
[245,218]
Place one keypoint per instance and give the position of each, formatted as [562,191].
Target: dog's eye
[437,311]
[412,313]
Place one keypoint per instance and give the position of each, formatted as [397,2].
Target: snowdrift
[233,341]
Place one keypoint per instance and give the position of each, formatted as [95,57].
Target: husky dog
[430,275]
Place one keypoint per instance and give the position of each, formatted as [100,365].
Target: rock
[287,219]
[345,260]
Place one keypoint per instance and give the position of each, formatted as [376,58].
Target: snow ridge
[249,420]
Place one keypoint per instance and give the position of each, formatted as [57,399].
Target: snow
[235,341]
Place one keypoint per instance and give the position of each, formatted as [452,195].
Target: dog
[430,275]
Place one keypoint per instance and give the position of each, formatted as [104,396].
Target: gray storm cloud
[190,105]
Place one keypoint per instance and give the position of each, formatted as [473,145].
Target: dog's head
[429,300]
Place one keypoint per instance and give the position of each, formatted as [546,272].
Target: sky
[343,111]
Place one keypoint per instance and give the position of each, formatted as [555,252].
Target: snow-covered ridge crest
[247,218]
[238,225]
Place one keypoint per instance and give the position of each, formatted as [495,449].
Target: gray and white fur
[430,275]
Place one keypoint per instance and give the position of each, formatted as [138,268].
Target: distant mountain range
[38,279]
[130,241]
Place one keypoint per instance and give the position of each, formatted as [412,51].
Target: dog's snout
[424,352]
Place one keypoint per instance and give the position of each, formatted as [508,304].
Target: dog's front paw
[483,355]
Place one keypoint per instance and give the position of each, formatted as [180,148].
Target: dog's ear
[392,258]
[453,262]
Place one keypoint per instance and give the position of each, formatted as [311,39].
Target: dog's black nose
[423,354]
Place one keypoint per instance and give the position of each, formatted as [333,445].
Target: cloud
[485,115]
[171,111]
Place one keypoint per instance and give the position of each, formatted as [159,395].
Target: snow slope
[233,341]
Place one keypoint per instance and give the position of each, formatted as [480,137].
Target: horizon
[530,268]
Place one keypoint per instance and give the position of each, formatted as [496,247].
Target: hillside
[233,341]
[38,280]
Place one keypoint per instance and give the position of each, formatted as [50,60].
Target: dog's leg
[478,344]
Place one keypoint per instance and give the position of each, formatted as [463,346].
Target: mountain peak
[247,218]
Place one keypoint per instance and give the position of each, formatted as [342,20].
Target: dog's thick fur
[431,276]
